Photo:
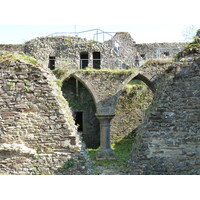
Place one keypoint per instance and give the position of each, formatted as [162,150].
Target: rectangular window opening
[52,61]
[166,54]
[96,60]
[84,60]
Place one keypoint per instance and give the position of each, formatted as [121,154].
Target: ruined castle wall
[37,131]
[11,48]
[125,58]
[169,141]
[67,51]
[62,48]
[159,50]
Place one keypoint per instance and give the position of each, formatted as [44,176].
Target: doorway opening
[79,121]
[96,60]
[52,62]
[84,60]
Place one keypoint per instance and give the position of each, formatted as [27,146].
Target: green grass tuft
[122,149]
[23,57]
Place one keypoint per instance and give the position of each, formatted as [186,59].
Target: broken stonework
[37,131]
[169,141]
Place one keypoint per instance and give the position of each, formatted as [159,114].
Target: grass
[122,149]
[155,62]
[115,71]
[26,58]
[189,49]
[135,84]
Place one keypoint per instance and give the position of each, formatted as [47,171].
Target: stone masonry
[37,131]
[169,141]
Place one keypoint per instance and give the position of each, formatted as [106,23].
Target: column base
[105,154]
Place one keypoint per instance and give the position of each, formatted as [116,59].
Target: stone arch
[146,81]
[87,85]
[83,106]
[140,77]
[129,112]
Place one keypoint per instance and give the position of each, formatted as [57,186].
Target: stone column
[105,152]
[90,61]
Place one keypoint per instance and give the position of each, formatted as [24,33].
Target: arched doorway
[83,109]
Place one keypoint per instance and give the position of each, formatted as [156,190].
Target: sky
[18,34]
[147,21]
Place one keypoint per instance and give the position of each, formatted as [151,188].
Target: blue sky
[145,20]
[17,34]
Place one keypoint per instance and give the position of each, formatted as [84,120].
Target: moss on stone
[190,48]
[15,57]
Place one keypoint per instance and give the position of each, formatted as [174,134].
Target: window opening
[52,61]
[166,53]
[84,60]
[96,60]
[143,56]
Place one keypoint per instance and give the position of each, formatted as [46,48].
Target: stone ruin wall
[133,103]
[67,49]
[12,48]
[37,131]
[169,141]
[23,151]
[151,51]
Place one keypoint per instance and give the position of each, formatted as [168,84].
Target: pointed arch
[86,84]
[146,81]
[139,77]
[130,109]
[81,100]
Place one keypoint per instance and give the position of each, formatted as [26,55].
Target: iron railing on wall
[96,33]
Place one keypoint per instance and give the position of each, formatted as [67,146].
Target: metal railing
[95,37]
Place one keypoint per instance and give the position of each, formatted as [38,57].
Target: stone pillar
[105,152]
[90,61]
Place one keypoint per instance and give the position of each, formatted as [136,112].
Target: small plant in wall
[58,82]
[68,164]
[11,84]
[26,88]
